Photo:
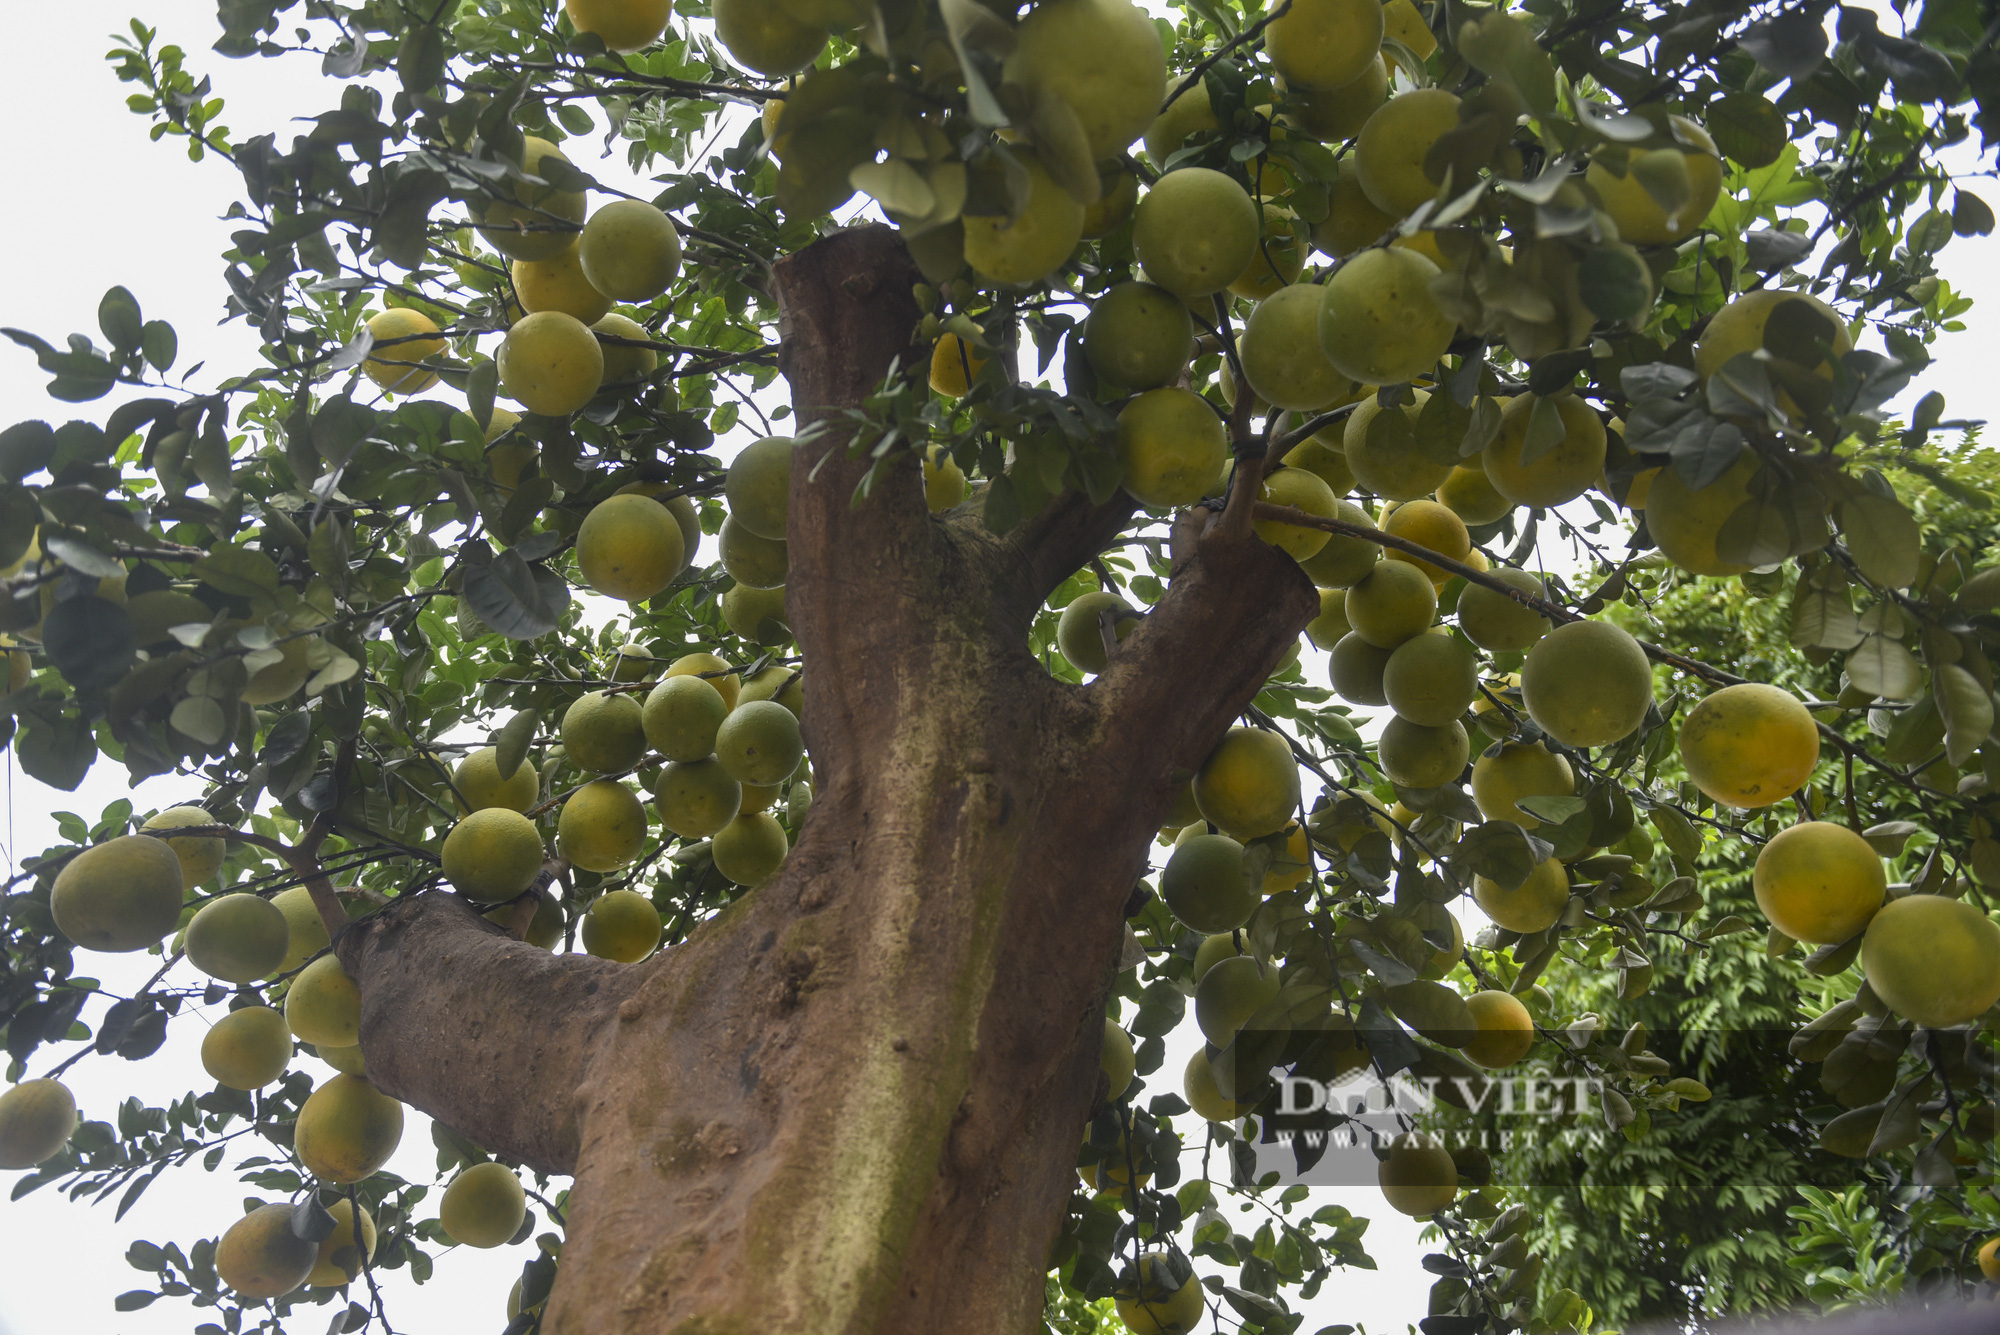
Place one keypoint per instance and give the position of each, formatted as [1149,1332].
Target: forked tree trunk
[852,1101]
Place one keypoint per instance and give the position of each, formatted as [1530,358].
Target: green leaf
[1882,536]
[1882,666]
[516,599]
[58,752]
[1545,430]
[91,640]
[480,386]
[1748,128]
[1967,710]
[510,743]
[1823,618]
[118,317]
[237,571]
[1433,1010]
[201,718]
[26,449]
[158,342]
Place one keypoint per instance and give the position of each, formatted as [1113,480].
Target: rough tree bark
[853,1099]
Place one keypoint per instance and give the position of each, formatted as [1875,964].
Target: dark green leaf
[26,448]
[57,753]
[1792,45]
[516,599]
[510,743]
[118,317]
[1748,128]
[90,640]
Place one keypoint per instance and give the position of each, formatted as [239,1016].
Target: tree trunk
[852,1101]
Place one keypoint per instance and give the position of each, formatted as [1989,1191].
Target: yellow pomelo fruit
[1328,628]
[1335,115]
[1685,523]
[624,25]
[1563,472]
[1325,44]
[1117,1060]
[339,1256]
[1203,884]
[247,1049]
[759,743]
[955,364]
[302,920]
[621,925]
[1279,258]
[1497,623]
[347,1129]
[1749,746]
[602,826]
[551,363]
[681,716]
[492,855]
[1301,490]
[1103,57]
[1195,231]
[1290,864]
[604,733]
[1471,494]
[1587,683]
[1352,220]
[711,669]
[529,225]
[1989,1260]
[758,485]
[761,563]
[1233,990]
[238,938]
[395,367]
[1249,785]
[1389,153]
[1418,755]
[1380,448]
[477,779]
[750,848]
[1519,770]
[759,797]
[629,547]
[282,679]
[1819,882]
[200,855]
[557,284]
[1532,907]
[1189,116]
[36,1119]
[483,1206]
[347,1061]
[1418,1178]
[323,1005]
[762,35]
[1402,21]
[757,615]
[1506,1030]
[1173,445]
[621,363]
[629,251]
[1641,221]
[1138,336]
[1281,353]
[1324,454]
[1344,561]
[508,461]
[1431,679]
[1394,602]
[1119,192]
[1379,323]
[1032,246]
[1933,960]
[545,929]
[944,481]
[1079,630]
[1431,525]
[1222,946]
[260,1257]
[1740,327]
[121,895]
[1153,1311]
[697,797]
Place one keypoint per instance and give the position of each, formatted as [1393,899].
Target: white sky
[102,205]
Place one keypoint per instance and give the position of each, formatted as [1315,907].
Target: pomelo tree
[1393,304]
